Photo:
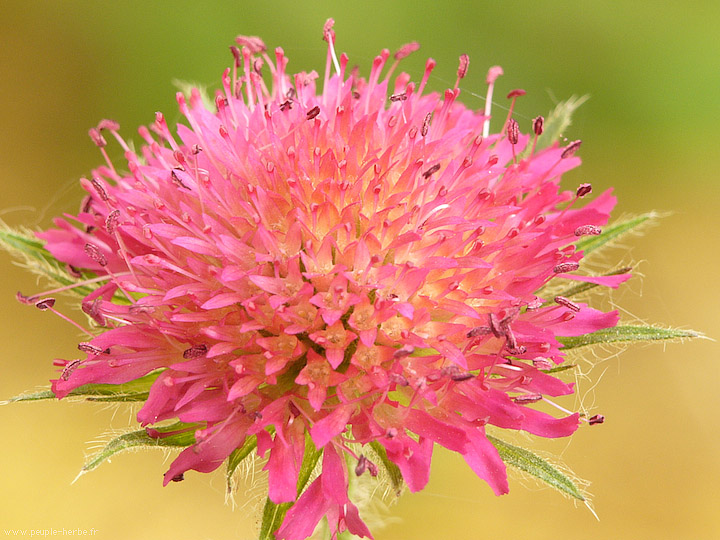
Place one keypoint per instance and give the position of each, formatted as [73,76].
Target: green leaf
[136,390]
[528,462]
[140,438]
[588,244]
[273,514]
[558,121]
[393,472]
[626,333]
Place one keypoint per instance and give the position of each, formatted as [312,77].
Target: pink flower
[358,263]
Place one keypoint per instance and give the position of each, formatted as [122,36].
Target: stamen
[432,170]
[329,36]
[312,113]
[528,398]
[538,125]
[492,75]
[597,419]
[398,97]
[406,50]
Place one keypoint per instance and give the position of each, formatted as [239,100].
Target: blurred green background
[650,129]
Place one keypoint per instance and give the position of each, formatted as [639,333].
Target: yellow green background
[650,129]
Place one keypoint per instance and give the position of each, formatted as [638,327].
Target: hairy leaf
[140,438]
[558,121]
[393,472]
[136,390]
[626,333]
[528,462]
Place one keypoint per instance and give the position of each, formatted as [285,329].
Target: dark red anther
[45,303]
[583,189]
[563,268]
[538,124]
[196,351]
[99,188]
[97,138]
[285,105]
[178,477]
[406,50]
[65,375]
[112,220]
[513,131]
[361,465]
[464,65]
[596,419]
[176,178]
[391,433]
[527,398]
[402,96]
[572,306]
[89,348]
[426,124]
[312,113]
[432,170]
[236,55]
[92,251]
[196,149]
[570,149]
[588,230]
[516,93]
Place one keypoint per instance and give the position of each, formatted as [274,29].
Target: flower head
[363,264]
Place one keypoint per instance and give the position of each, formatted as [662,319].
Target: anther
[538,124]
[236,55]
[513,131]
[463,67]
[583,189]
[406,50]
[112,220]
[542,363]
[253,43]
[398,379]
[570,149]
[177,180]
[567,303]
[196,351]
[97,138]
[328,32]
[528,398]
[91,349]
[45,303]
[597,419]
[588,230]
[65,375]
[110,125]
[563,268]
[99,188]
[426,124]
[432,170]
[92,251]
[312,113]
[391,433]
[402,96]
